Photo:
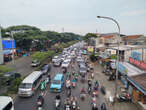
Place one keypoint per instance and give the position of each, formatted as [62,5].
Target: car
[45,68]
[35,63]
[57,62]
[65,63]
[82,70]
[57,83]
[55,58]
[10,76]
[82,64]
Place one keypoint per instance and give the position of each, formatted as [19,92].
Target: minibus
[57,83]
[30,84]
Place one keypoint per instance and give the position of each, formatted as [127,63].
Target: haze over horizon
[78,16]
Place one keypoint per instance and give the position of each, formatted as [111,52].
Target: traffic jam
[72,87]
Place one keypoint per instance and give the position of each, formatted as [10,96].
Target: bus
[30,84]
[6,103]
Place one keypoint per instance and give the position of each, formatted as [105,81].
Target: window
[9,106]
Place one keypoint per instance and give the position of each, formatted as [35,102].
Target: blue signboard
[136,55]
[8,44]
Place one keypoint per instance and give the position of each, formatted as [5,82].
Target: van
[30,84]
[6,103]
[57,83]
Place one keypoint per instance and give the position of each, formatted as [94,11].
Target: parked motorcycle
[89,89]
[124,98]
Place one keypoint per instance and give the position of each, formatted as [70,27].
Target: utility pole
[1,49]
[12,47]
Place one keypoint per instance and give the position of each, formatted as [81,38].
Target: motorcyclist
[83,90]
[40,100]
[67,101]
[89,83]
[58,97]
[96,83]
[68,83]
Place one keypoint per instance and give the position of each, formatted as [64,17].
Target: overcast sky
[77,16]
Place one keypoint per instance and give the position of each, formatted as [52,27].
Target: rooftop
[140,79]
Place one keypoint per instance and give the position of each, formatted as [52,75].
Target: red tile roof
[108,36]
[132,37]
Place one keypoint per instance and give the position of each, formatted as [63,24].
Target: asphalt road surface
[30,103]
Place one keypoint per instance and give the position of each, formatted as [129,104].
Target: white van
[6,103]
[30,84]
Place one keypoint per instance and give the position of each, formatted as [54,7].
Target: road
[21,65]
[30,103]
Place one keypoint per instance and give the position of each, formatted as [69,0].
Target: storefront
[133,79]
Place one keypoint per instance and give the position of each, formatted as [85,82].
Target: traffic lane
[30,102]
[21,65]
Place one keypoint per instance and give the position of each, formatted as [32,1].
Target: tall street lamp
[117,62]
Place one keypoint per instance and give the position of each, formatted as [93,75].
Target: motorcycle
[124,98]
[95,93]
[68,92]
[92,76]
[67,107]
[73,84]
[74,105]
[89,90]
[40,102]
[82,96]
[102,89]
[57,104]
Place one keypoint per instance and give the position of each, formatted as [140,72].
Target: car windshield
[82,69]
[26,85]
[34,61]
[66,62]
[56,82]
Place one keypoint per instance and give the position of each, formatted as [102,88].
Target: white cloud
[133,13]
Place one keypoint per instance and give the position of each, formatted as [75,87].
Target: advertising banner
[137,63]
[136,55]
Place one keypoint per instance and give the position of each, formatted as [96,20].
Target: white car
[55,58]
[65,63]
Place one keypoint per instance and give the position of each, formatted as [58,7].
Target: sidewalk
[110,90]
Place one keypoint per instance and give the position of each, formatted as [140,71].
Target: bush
[4,69]
[41,56]
[14,87]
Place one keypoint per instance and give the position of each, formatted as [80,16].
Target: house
[110,39]
[133,39]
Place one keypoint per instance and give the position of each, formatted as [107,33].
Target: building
[133,39]
[133,78]
[9,48]
[111,39]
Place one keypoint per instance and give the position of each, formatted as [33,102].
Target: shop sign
[90,49]
[136,55]
[139,64]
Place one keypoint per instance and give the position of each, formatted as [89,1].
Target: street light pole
[1,49]
[12,47]
[117,62]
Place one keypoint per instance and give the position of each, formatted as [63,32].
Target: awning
[138,86]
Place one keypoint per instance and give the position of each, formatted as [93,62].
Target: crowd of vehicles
[64,81]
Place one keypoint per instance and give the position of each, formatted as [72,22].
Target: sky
[78,16]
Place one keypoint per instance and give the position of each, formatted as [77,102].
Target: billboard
[138,63]
[136,55]
[8,44]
